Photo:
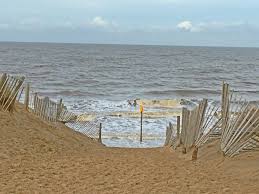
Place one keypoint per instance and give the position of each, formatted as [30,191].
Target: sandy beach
[39,157]
[129,97]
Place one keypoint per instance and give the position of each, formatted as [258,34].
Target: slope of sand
[36,157]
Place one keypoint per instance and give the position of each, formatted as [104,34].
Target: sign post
[141,109]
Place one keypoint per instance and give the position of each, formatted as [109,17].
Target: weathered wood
[185,120]
[44,108]
[192,124]
[225,106]
[100,133]
[168,134]
[4,83]
[59,109]
[200,119]
[35,104]
[178,126]
[233,126]
[3,80]
[237,132]
[9,88]
[243,134]
[41,108]
[210,134]
[198,125]
[27,96]
[240,127]
[195,153]
[9,105]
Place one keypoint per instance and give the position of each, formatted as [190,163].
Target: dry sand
[37,157]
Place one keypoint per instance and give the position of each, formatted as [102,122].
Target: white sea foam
[123,130]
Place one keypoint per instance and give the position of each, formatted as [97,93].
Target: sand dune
[38,157]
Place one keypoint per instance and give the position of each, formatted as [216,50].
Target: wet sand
[38,157]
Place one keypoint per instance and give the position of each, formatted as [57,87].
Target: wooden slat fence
[9,89]
[88,128]
[204,125]
[56,111]
[198,126]
[170,135]
[52,111]
[241,128]
[236,125]
[210,127]
[192,124]
[173,134]
[45,108]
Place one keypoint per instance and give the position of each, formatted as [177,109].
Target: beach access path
[39,157]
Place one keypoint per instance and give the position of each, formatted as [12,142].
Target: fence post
[195,153]
[224,106]
[27,96]
[35,104]
[59,109]
[178,127]
[45,108]
[185,123]
[169,131]
[2,80]
[100,133]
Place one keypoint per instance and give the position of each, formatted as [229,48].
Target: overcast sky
[166,22]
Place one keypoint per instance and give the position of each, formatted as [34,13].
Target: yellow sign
[141,108]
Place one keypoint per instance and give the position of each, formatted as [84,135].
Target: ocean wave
[183,92]
[77,93]
[172,103]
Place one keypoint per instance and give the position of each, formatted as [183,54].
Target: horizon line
[127,44]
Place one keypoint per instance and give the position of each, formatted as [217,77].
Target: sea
[100,79]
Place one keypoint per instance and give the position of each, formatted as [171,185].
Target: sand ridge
[39,157]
